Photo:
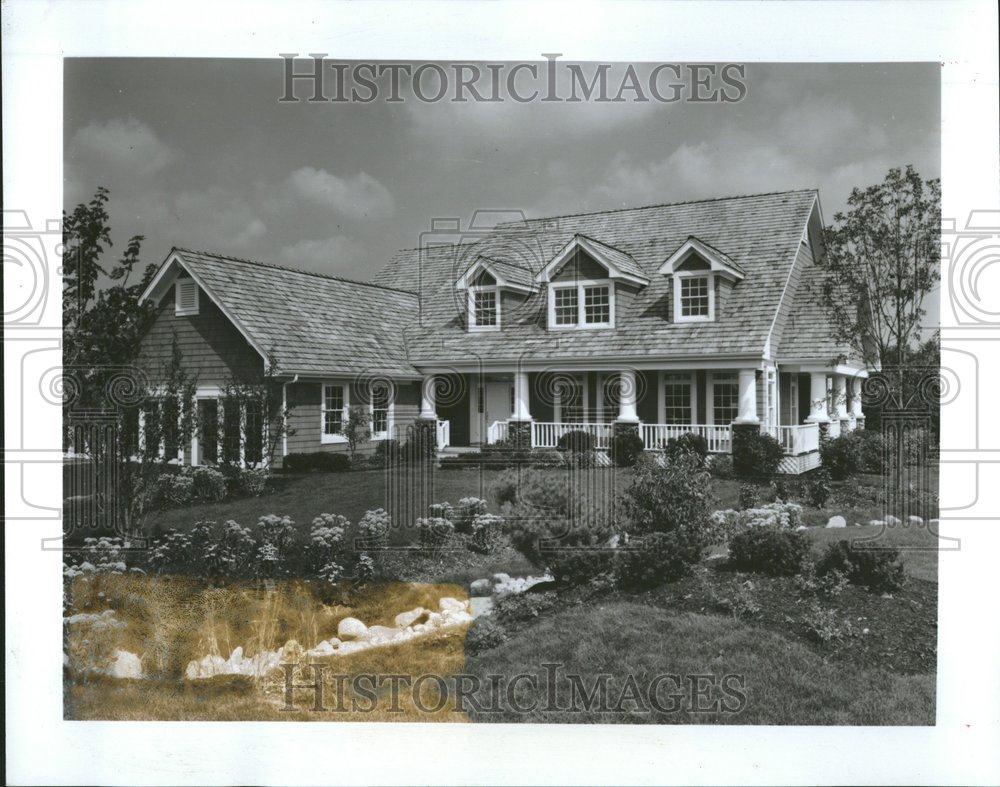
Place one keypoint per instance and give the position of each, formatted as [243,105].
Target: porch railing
[718,436]
[797,440]
[546,434]
[443,434]
[496,432]
[834,428]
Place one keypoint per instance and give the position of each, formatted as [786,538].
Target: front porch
[796,407]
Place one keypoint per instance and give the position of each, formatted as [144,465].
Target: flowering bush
[374,528]
[467,510]
[487,533]
[232,553]
[443,511]
[748,496]
[823,625]
[331,572]
[99,555]
[170,552]
[173,489]
[434,531]
[208,485]
[784,516]
[253,482]
[364,568]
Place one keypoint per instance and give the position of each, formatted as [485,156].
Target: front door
[491,402]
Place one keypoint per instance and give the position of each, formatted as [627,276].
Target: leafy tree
[882,259]
[265,421]
[358,427]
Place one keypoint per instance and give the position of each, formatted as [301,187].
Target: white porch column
[521,409]
[840,397]
[817,399]
[427,391]
[748,398]
[626,398]
[856,410]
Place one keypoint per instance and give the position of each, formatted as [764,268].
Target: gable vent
[185,297]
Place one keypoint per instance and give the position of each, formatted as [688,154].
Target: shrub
[275,545]
[819,488]
[723,525]
[173,489]
[485,633]
[656,558]
[434,531]
[823,625]
[625,448]
[171,552]
[516,608]
[364,568]
[253,482]
[327,539]
[576,440]
[232,553]
[828,586]
[467,510]
[422,443]
[721,466]
[768,550]
[879,570]
[374,527]
[321,461]
[779,488]
[748,496]
[388,452]
[739,598]
[442,510]
[689,441]
[208,485]
[756,455]
[487,533]
[871,452]
[841,456]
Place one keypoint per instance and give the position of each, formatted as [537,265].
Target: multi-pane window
[485,308]
[231,431]
[253,428]
[612,390]
[566,305]
[570,400]
[597,305]
[677,399]
[725,398]
[333,409]
[208,430]
[380,409]
[694,296]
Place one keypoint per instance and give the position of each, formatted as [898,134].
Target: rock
[380,634]
[800,527]
[499,578]
[836,521]
[352,647]
[411,618]
[192,672]
[915,520]
[322,649]
[481,605]
[480,587]
[236,657]
[892,521]
[876,523]
[350,629]
[334,642]
[933,525]
[126,665]
[448,603]
[292,651]
[541,585]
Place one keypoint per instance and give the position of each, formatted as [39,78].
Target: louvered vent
[185,297]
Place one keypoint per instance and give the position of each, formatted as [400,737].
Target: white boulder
[382,634]
[836,521]
[915,520]
[322,649]
[501,577]
[876,523]
[352,646]
[126,665]
[236,657]
[448,603]
[892,521]
[411,618]
[480,587]
[351,629]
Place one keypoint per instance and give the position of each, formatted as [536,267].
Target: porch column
[856,412]
[840,397]
[521,410]
[748,398]
[427,391]
[817,399]
[627,398]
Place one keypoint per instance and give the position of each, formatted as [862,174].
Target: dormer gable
[483,281]
[699,270]
[696,254]
[619,264]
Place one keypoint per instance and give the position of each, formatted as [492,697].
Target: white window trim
[581,285]
[178,311]
[710,317]
[473,327]
[662,398]
[389,418]
[324,438]
[710,392]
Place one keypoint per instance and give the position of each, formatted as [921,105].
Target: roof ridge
[275,266]
[658,205]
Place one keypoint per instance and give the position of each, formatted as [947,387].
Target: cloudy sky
[200,153]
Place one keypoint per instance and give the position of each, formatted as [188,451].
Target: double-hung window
[677,399]
[381,404]
[333,412]
[484,309]
[694,298]
[581,305]
[725,397]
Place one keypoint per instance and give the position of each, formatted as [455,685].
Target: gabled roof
[507,274]
[620,264]
[717,260]
[759,235]
[314,324]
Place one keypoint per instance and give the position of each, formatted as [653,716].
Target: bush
[689,441]
[513,609]
[388,452]
[487,533]
[173,489]
[755,455]
[576,440]
[841,456]
[208,485]
[484,634]
[768,550]
[656,558]
[253,482]
[467,510]
[625,448]
[442,510]
[434,531]
[721,466]
[320,461]
[879,569]
[374,527]
[819,488]
[871,454]
[232,553]
[327,542]
[823,625]
[828,586]
[748,497]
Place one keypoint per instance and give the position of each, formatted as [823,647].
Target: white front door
[491,402]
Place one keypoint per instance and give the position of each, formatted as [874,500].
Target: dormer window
[697,268]
[484,308]
[694,298]
[483,282]
[581,305]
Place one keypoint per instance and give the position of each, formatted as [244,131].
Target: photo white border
[43,748]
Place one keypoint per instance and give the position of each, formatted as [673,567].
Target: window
[725,398]
[677,399]
[380,404]
[611,389]
[231,431]
[334,413]
[597,305]
[694,296]
[185,297]
[484,308]
[586,304]
[253,427]
[566,306]
[569,404]
[208,430]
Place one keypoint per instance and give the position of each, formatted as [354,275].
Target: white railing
[443,434]
[546,434]
[497,431]
[834,428]
[719,437]
[797,440]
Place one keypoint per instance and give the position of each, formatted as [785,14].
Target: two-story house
[664,319]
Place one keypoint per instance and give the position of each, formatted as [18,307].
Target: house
[683,317]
